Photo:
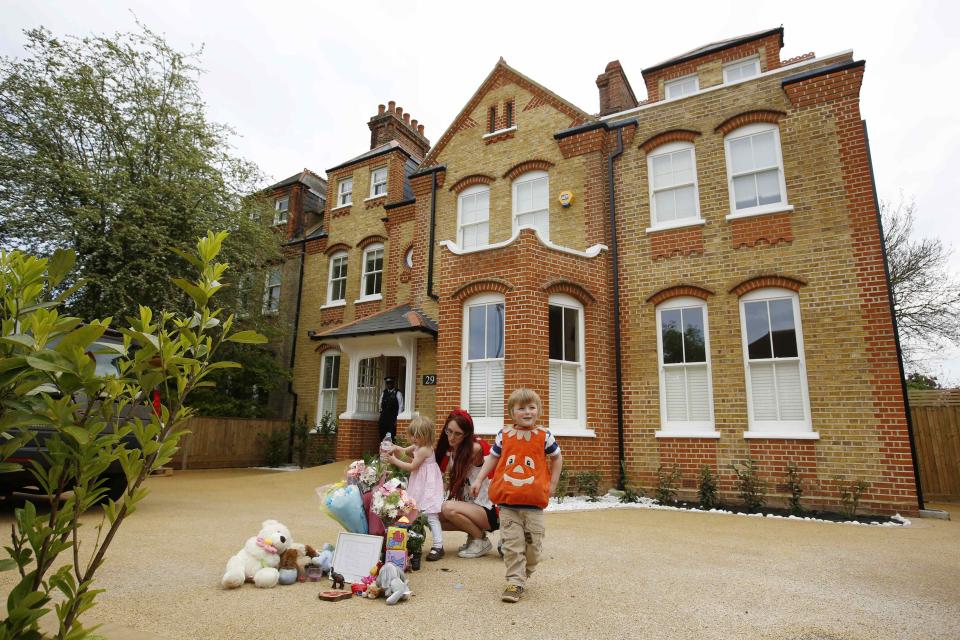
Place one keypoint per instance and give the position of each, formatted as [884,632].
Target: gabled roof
[720,45]
[306,177]
[502,71]
[386,147]
[398,319]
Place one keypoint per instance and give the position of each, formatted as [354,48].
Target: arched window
[674,199]
[337,281]
[329,385]
[567,392]
[482,381]
[371,282]
[755,170]
[473,217]
[531,202]
[683,352]
[775,367]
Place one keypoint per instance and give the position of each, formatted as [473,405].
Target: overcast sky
[299,80]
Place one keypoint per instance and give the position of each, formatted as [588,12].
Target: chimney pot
[406,118]
[413,123]
[380,109]
[399,112]
[391,105]
[420,129]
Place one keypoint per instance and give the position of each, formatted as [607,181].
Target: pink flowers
[390,501]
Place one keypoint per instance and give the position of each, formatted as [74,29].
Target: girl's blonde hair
[523,396]
[421,430]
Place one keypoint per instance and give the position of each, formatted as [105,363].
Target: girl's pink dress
[426,486]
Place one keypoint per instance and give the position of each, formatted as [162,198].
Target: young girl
[426,481]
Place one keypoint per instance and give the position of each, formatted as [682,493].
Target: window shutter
[486,389]
[495,389]
[789,391]
[568,391]
[555,390]
[763,391]
[697,393]
[674,384]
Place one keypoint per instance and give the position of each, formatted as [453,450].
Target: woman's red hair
[462,458]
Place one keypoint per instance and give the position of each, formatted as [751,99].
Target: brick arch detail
[761,282]
[471,180]
[326,346]
[749,117]
[664,137]
[336,248]
[369,240]
[570,288]
[471,289]
[518,170]
[678,291]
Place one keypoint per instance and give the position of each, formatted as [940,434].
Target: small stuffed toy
[336,580]
[288,566]
[259,558]
[394,583]
[324,559]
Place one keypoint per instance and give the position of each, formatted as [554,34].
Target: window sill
[343,206]
[761,211]
[677,225]
[269,312]
[382,195]
[500,132]
[781,435]
[334,305]
[368,299]
[687,434]
[578,432]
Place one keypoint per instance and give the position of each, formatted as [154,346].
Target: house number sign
[429,379]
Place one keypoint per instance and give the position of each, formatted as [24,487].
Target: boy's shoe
[512,593]
[478,547]
[466,544]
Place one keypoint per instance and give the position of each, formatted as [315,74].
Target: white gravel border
[609,501]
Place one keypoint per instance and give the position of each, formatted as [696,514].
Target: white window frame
[483,424]
[376,182]
[408,258]
[739,64]
[466,193]
[345,192]
[671,149]
[773,207]
[797,429]
[340,255]
[281,214]
[271,301]
[377,246]
[684,428]
[321,408]
[369,370]
[579,423]
[522,179]
[672,86]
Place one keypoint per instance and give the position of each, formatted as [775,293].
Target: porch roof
[401,318]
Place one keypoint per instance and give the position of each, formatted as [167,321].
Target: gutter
[293,349]
[896,329]
[433,224]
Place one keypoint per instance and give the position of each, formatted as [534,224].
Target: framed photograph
[356,555]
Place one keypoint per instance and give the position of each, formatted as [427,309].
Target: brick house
[688,280]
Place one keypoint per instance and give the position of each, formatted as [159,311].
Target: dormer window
[281,211]
[741,70]
[378,182]
[345,192]
[681,87]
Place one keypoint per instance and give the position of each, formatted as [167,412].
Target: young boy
[522,486]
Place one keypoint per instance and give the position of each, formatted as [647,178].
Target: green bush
[850,496]
[707,491]
[750,488]
[794,484]
[588,484]
[563,484]
[274,446]
[667,481]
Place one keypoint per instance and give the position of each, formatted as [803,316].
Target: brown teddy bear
[293,558]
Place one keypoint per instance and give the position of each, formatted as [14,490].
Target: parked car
[35,450]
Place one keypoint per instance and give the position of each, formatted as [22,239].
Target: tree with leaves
[106,149]
[926,295]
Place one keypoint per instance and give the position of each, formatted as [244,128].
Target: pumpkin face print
[519,474]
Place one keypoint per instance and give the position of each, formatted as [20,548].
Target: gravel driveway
[610,574]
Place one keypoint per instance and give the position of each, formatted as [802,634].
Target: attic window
[508,109]
[281,210]
[492,120]
[741,70]
[681,87]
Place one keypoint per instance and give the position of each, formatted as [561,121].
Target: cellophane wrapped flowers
[390,501]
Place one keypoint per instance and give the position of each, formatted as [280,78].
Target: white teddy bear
[260,557]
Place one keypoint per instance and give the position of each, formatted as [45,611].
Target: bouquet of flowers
[390,501]
[344,504]
[364,475]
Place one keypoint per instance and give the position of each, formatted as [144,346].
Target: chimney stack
[391,123]
[615,92]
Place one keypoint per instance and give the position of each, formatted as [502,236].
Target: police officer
[391,404]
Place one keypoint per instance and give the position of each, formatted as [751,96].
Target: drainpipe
[615,255]
[433,230]
[293,350]
[896,330]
